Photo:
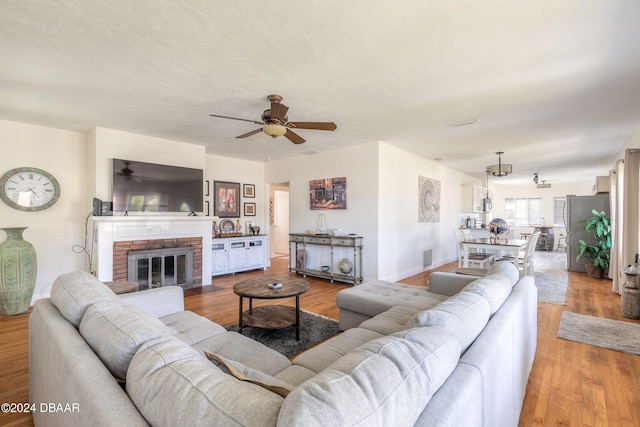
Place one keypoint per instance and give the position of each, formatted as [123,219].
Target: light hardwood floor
[571,384]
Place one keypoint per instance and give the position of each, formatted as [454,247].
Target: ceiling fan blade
[253,132]
[313,125]
[235,118]
[293,137]
[278,111]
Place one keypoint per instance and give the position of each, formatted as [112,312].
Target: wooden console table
[336,244]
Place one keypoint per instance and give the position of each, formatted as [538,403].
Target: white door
[281,221]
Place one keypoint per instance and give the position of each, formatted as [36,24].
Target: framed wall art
[329,193]
[249,209]
[226,199]
[428,199]
[249,190]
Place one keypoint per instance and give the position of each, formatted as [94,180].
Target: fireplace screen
[153,268]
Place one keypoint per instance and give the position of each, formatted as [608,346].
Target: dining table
[506,246]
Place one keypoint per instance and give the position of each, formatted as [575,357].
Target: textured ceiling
[553,84]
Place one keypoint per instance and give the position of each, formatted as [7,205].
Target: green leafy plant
[599,253]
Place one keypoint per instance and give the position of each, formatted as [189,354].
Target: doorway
[280,223]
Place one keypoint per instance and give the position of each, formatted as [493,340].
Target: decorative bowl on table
[325,268]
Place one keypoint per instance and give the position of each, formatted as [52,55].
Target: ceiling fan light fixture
[501,169]
[274,130]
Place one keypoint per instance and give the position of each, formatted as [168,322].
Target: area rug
[552,287]
[314,329]
[599,332]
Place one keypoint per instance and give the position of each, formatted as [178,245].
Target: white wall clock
[29,189]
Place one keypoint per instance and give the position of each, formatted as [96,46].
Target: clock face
[29,189]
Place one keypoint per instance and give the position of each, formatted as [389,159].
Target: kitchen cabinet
[235,254]
[473,198]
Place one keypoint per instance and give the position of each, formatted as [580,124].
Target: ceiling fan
[276,123]
[128,173]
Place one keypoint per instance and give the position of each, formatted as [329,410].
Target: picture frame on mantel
[226,199]
[249,191]
[249,209]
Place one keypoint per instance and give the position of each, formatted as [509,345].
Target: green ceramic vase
[18,268]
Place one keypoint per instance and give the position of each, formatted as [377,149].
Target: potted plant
[598,254]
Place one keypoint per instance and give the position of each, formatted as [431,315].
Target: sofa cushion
[245,373]
[323,355]
[115,330]
[172,384]
[393,320]
[374,297]
[387,381]
[505,269]
[295,375]
[464,316]
[235,346]
[190,327]
[73,292]
[494,289]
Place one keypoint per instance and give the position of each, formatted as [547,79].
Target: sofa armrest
[158,301]
[448,283]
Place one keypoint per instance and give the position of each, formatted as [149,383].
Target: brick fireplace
[121,254]
[115,236]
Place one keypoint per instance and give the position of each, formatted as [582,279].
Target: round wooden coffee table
[270,316]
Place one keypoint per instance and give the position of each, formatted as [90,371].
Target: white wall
[402,239]
[382,188]
[360,166]
[382,206]
[54,231]
[244,172]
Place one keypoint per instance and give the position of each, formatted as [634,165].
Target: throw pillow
[245,373]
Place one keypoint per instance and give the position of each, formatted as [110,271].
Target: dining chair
[529,254]
[562,243]
[476,259]
[524,261]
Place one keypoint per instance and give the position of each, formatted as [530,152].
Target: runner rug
[599,332]
[552,287]
[314,329]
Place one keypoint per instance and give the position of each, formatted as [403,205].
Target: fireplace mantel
[110,229]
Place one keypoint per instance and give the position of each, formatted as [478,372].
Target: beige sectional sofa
[140,359]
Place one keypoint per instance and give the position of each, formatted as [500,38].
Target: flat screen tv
[151,187]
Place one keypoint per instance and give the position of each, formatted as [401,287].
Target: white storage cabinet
[235,254]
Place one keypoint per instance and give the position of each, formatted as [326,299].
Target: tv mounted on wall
[151,187]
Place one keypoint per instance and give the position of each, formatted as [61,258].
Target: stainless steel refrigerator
[576,211]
